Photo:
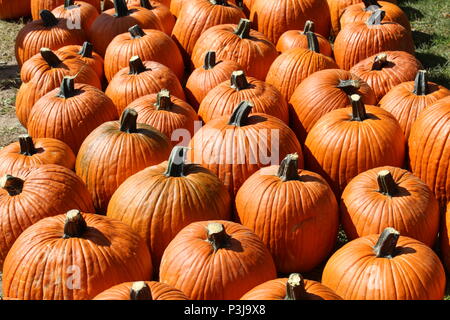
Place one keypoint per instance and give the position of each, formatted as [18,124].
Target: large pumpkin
[116,150]
[160,200]
[38,5]
[389,196]
[348,141]
[385,266]
[74,256]
[30,194]
[204,257]
[222,100]
[322,92]
[12,9]
[141,290]
[293,211]
[79,14]
[249,48]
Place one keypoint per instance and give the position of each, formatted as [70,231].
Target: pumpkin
[293,211]
[202,259]
[175,6]
[141,290]
[74,256]
[273,18]
[170,115]
[196,17]
[294,65]
[224,97]
[47,32]
[362,11]
[347,141]
[298,39]
[149,45]
[28,153]
[385,266]
[43,73]
[322,92]
[12,9]
[445,238]
[38,5]
[113,22]
[203,79]
[78,14]
[70,113]
[429,151]
[30,194]
[362,39]
[160,200]
[87,55]
[116,150]
[249,48]
[389,196]
[139,79]
[293,288]
[159,9]
[234,147]
[407,99]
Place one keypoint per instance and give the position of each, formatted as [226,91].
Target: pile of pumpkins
[211,149]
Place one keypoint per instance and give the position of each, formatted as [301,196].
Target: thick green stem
[48,18]
[67,89]
[358,108]
[146,4]
[50,57]
[386,183]
[313,43]
[243,29]
[12,185]
[140,291]
[75,225]
[219,2]
[240,114]
[128,121]
[239,80]
[210,60]
[380,61]
[68,3]
[421,83]
[136,32]
[295,288]
[376,17]
[217,236]
[27,145]
[288,169]
[386,244]
[163,101]
[349,86]
[136,65]
[121,8]
[86,50]
[309,27]
[177,161]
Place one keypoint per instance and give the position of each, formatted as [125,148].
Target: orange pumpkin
[141,290]
[38,5]
[12,9]
[79,14]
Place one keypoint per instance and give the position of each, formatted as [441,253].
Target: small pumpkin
[87,55]
[385,266]
[79,14]
[38,5]
[141,290]
[202,259]
[74,256]
[159,9]
[12,9]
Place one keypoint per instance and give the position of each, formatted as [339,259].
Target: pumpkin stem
[239,80]
[86,50]
[75,225]
[243,29]
[147,5]
[50,57]
[309,27]
[177,161]
[421,83]
[136,32]
[295,288]
[386,183]
[313,43]
[12,185]
[121,8]
[240,114]
[376,17]
[288,169]
[219,2]
[358,108]
[385,247]
[140,291]
[349,86]
[68,3]
[26,145]
[371,5]
[48,18]
[163,101]
[380,61]
[210,60]
[136,65]
[67,88]
[217,236]
[128,121]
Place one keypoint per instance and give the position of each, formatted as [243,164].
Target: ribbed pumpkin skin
[276,290]
[445,239]
[406,106]
[318,94]
[49,151]
[296,39]
[95,62]
[202,80]
[48,190]
[414,273]
[429,149]
[339,149]
[275,17]
[234,153]
[159,290]
[222,100]
[255,54]
[297,220]
[414,211]
[72,119]
[41,262]
[191,265]
[295,65]
[154,46]
[196,17]
[180,116]
[401,67]
[124,88]
[81,12]
[38,5]
[10,9]
[108,156]
[161,11]
[157,207]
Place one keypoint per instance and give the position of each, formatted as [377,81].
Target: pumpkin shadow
[402,192]
[234,245]
[422,38]
[412,13]
[404,250]
[9,77]
[96,236]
